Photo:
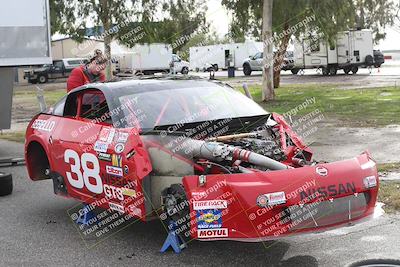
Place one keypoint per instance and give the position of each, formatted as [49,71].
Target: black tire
[347,70]
[33,81]
[376,262]
[332,71]
[215,66]
[247,69]
[176,208]
[6,184]
[295,71]
[42,79]
[369,60]
[325,71]
[185,70]
[354,70]
[377,65]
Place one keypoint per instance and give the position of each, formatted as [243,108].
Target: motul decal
[211,233]
[210,204]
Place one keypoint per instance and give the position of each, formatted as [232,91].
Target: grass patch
[387,167]
[29,96]
[361,107]
[14,136]
[389,193]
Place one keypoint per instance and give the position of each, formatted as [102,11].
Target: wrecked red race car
[196,153]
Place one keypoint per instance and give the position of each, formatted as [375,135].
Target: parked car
[179,65]
[255,63]
[59,69]
[379,58]
[195,153]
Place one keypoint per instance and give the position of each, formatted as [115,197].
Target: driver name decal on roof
[43,125]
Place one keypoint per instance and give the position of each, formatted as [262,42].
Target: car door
[57,69]
[99,162]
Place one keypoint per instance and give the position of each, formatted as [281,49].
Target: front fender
[307,199]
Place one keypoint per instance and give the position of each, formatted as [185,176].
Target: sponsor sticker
[100,146]
[211,233]
[104,156]
[114,171]
[207,219]
[134,210]
[126,169]
[322,171]
[119,148]
[210,204]
[116,207]
[113,192]
[271,199]
[122,137]
[116,161]
[43,125]
[128,192]
[104,134]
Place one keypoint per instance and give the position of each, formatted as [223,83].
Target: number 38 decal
[82,179]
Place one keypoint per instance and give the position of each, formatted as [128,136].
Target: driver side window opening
[88,104]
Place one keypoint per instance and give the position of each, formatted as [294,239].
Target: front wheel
[185,70]
[42,79]
[247,70]
[354,70]
[325,71]
[176,208]
[295,71]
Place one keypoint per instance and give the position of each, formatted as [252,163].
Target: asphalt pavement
[35,230]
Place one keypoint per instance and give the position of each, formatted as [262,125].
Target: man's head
[98,62]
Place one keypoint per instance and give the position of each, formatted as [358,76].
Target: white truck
[352,50]
[150,59]
[222,56]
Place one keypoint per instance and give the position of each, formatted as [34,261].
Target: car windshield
[188,105]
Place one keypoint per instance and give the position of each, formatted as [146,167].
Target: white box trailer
[222,55]
[353,49]
[146,59]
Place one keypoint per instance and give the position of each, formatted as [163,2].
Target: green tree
[329,18]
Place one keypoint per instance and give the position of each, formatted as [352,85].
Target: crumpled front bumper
[308,199]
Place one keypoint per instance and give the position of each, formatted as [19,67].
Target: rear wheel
[354,70]
[325,71]
[333,71]
[247,69]
[347,70]
[6,185]
[295,71]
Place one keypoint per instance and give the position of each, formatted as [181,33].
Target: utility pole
[268,92]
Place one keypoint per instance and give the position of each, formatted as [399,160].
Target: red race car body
[197,153]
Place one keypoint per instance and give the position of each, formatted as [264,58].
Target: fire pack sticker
[210,204]
[207,219]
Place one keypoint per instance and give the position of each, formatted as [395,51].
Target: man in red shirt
[90,73]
